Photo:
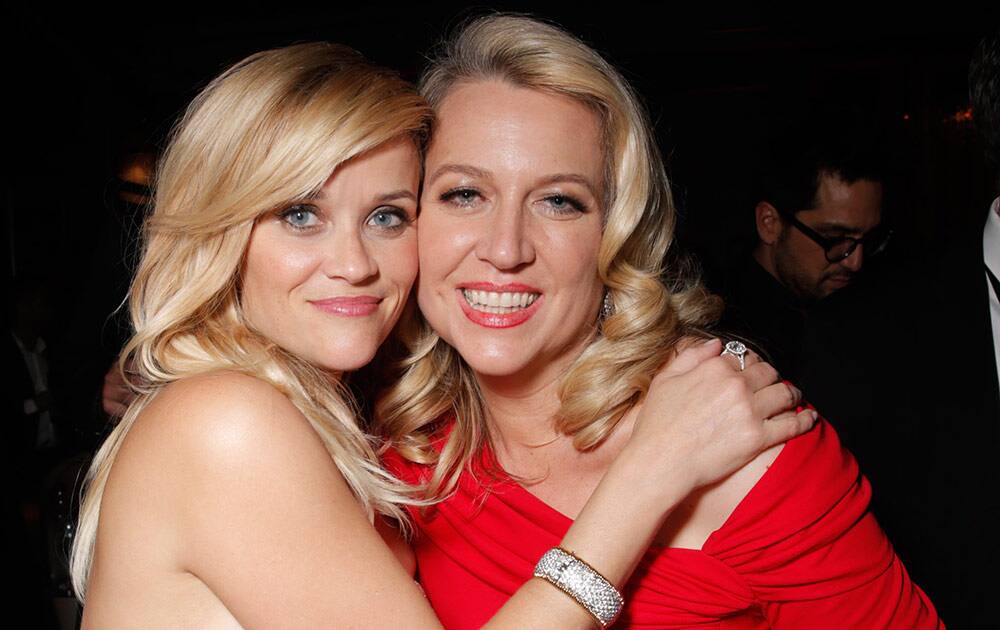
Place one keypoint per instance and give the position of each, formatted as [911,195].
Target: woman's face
[510,227]
[327,278]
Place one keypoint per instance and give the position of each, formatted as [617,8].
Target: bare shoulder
[211,438]
[219,410]
[222,481]
[708,509]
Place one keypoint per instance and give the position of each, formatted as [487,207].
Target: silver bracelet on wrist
[580,581]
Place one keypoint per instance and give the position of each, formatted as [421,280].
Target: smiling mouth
[498,302]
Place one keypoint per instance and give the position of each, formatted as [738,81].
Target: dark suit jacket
[908,377]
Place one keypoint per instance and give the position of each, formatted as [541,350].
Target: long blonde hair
[649,317]
[267,131]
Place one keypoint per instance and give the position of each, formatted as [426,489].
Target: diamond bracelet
[580,581]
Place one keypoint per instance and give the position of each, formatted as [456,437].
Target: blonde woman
[239,488]
[545,220]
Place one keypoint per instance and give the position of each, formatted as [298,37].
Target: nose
[506,242]
[855,260]
[348,257]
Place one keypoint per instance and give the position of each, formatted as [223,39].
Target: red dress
[800,551]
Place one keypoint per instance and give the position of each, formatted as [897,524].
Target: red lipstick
[510,287]
[348,306]
[498,320]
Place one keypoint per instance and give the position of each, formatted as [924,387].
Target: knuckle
[772,374]
[790,397]
[714,366]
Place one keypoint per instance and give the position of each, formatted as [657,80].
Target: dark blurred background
[84,89]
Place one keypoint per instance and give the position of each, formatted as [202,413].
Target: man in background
[818,216]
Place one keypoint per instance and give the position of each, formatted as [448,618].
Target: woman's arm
[245,497]
[701,421]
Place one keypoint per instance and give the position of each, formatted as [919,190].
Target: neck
[521,407]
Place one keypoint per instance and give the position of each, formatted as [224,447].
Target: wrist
[657,476]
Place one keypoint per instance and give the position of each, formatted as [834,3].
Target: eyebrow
[461,169]
[402,193]
[472,171]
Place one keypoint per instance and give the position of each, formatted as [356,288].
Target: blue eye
[388,218]
[300,217]
[565,204]
[462,197]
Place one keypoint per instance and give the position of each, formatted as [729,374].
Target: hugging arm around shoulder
[801,550]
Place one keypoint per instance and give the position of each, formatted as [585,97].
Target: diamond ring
[738,350]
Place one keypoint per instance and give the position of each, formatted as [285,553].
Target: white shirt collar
[991,239]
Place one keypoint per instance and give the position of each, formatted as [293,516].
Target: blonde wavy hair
[650,315]
[268,131]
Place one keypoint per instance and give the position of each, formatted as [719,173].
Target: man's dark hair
[984,94]
[825,141]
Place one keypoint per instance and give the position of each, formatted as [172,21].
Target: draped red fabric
[800,551]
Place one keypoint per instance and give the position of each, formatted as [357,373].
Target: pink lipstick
[348,306]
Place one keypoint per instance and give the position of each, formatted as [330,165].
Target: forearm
[611,533]
[625,512]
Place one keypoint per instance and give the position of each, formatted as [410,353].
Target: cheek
[429,290]
[437,259]
[579,247]
[446,237]
[444,242]
[397,261]
[271,272]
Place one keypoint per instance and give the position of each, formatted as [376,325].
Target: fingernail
[712,340]
[815,416]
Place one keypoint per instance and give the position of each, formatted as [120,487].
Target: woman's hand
[702,419]
[116,395]
[703,411]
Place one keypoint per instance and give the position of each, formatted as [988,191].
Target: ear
[769,222]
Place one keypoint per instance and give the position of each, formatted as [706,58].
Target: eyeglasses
[837,249]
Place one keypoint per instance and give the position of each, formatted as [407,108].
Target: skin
[516,203]
[224,509]
[798,262]
[355,239]
[186,500]
[495,169]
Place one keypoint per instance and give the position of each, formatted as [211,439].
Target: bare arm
[249,501]
[702,420]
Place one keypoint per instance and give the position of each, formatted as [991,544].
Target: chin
[493,360]
[341,358]
[493,369]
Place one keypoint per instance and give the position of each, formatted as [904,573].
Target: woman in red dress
[240,489]
[545,219]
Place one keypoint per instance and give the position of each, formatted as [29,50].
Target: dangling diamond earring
[608,306]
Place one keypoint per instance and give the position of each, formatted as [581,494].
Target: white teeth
[497,302]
